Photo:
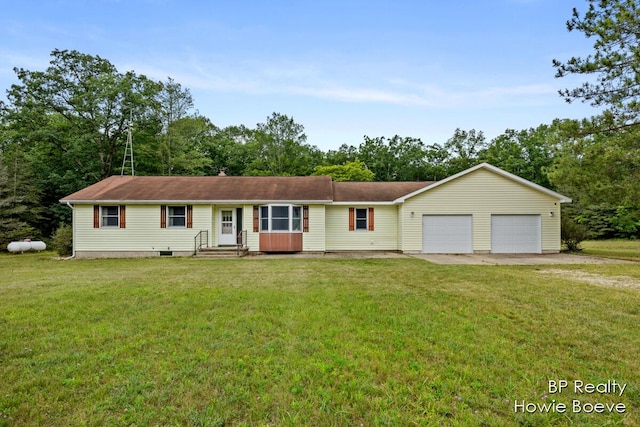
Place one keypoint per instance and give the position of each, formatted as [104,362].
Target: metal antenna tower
[128,150]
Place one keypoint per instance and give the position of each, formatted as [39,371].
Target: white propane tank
[37,245]
[26,245]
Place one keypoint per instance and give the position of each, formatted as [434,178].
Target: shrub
[62,240]
[573,234]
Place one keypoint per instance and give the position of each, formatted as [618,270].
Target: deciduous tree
[526,153]
[92,103]
[350,171]
[397,158]
[174,104]
[463,149]
[279,148]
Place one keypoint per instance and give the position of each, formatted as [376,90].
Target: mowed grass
[621,249]
[338,342]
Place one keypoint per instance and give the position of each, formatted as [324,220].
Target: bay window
[280,218]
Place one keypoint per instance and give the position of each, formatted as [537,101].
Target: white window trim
[290,215]
[366,218]
[169,216]
[103,216]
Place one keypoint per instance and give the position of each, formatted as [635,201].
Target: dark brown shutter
[163,216]
[189,216]
[123,216]
[96,216]
[352,219]
[305,219]
[370,219]
[256,219]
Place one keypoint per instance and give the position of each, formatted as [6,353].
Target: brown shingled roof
[375,191]
[206,188]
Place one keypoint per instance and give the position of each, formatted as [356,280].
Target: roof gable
[496,170]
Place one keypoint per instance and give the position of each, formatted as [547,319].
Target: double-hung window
[296,218]
[361,219]
[177,216]
[280,218]
[110,216]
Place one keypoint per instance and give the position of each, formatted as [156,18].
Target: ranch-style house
[483,209]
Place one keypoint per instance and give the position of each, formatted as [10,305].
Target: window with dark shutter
[109,216]
[361,219]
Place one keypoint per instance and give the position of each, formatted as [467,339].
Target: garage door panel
[516,234]
[447,234]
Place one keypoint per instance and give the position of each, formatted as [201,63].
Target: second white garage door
[447,234]
[516,234]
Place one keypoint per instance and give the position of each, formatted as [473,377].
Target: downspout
[73,233]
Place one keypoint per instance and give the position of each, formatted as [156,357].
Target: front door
[227,230]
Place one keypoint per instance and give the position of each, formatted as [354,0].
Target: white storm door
[227,229]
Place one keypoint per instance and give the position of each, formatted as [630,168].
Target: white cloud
[312,80]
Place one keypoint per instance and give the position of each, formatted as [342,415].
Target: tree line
[65,128]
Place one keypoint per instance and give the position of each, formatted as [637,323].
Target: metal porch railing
[241,241]
[201,239]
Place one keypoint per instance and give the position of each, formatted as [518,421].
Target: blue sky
[343,69]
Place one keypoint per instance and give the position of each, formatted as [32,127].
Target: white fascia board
[365,203]
[508,175]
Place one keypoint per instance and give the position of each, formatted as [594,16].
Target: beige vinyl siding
[314,239]
[253,239]
[384,236]
[213,227]
[400,225]
[481,193]
[143,232]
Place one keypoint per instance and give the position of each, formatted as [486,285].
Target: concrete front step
[222,252]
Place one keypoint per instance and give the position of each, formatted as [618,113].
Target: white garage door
[447,234]
[512,234]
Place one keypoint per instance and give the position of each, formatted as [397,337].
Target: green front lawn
[340,342]
[620,249]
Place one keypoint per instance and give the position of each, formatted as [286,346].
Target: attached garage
[447,234]
[516,234]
